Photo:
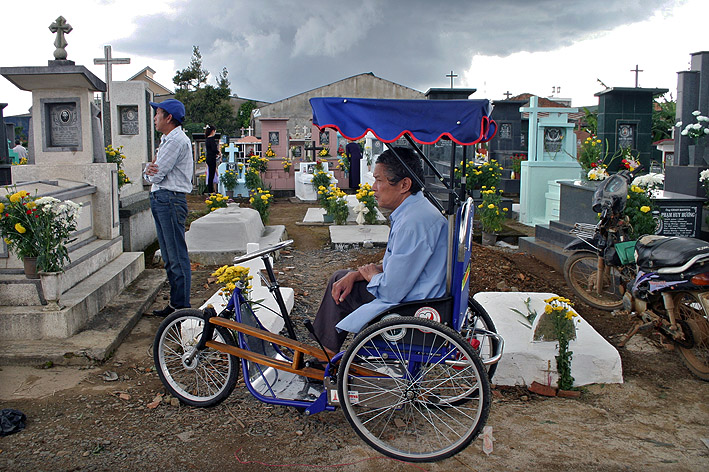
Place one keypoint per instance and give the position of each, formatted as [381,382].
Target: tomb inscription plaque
[64,127]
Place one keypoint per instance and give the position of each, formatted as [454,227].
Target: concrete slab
[217,237]
[525,360]
[100,338]
[314,216]
[356,235]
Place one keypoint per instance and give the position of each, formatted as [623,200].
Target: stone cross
[507,95]
[108,61]
[231,149]
[637,71]
[60,27]
[452,75]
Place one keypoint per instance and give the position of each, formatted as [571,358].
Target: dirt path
[79,421]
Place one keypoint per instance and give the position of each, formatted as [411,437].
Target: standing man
[171,172]
[20,150]
[414,264]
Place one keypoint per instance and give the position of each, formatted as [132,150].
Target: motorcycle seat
[668,253]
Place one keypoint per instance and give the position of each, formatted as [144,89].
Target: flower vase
[30,264]
[51,289]
[328,218]
[696,154]
[488,239]
[229,193]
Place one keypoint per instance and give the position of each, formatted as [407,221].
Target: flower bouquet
[260,201]
[334,201]
[270,152]
[115,156]
[228,180]
[638,210]
[231,276]
[38,227]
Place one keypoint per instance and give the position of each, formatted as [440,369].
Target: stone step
[80,303]
[86,259]
[549,253]
[97,341]
[553,234]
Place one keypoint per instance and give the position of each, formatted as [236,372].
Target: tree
[663,119]
[205,104]
[243,116]
[193,76]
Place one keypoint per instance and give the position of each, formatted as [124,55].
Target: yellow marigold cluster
[17,196]
[560,304]
[216,201]
[365,190]
[231,277]
[592,141]
[270,152]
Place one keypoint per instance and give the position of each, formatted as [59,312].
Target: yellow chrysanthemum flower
[644,208]
[19,228]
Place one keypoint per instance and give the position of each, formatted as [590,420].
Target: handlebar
[262,252]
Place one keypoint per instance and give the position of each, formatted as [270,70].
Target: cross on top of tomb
[60,27]
[108,61]
[507,95]
[637,71]
[452,75]
[231,150]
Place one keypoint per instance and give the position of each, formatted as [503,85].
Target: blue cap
[172,107]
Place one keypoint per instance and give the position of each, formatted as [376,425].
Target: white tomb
[238,166]
[525,360]
[304,189]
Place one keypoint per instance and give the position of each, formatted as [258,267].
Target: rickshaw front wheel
[203,378]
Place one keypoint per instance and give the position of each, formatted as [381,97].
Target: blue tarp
[426,121]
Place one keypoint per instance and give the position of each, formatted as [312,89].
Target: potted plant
[216,201]
[228,180]
[517,165]
[365,195]
[39,228]
[491,214]
[334,201]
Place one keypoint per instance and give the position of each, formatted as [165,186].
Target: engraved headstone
[64,130]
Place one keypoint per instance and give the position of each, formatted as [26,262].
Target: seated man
[414,265]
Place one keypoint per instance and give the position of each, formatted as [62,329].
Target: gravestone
[625,121]
[236,165]
[692,94]
[132,127]
[509,140]
[551,157]
[5,166]
[65,140]
[304,189]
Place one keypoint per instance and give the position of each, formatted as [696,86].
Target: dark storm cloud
[275,49]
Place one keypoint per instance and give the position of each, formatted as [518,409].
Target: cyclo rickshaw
[414,384]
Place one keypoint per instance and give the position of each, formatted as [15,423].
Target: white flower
[702,118]
[678,124]
[706,130]
[704,176]
[684,132]
[696,113]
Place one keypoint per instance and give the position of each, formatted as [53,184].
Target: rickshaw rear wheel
[203,379]
[400,385]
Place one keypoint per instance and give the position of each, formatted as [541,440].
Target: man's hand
[370,270]
[342,288]
[151,169]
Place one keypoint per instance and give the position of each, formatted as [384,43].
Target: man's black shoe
[165,311]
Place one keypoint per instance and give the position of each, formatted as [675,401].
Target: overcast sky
[278,48]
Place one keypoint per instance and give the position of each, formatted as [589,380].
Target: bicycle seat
[669,252]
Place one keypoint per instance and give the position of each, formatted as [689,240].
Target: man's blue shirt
[414,263]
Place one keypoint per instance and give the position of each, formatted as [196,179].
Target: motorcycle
[661,281]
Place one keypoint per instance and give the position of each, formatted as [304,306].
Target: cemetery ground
[80,419]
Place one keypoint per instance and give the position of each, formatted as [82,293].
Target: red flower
[593,164]
[29,212]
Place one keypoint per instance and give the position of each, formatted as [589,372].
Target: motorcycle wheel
[580,272]
[695,322]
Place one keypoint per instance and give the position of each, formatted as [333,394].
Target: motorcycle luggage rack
[583,230]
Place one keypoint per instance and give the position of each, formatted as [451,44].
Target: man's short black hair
[17,141]
[395,172]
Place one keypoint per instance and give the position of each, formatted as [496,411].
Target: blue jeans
[169,212]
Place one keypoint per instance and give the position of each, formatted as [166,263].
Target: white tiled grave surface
[525,360]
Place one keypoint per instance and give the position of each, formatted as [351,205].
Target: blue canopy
[426,121]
